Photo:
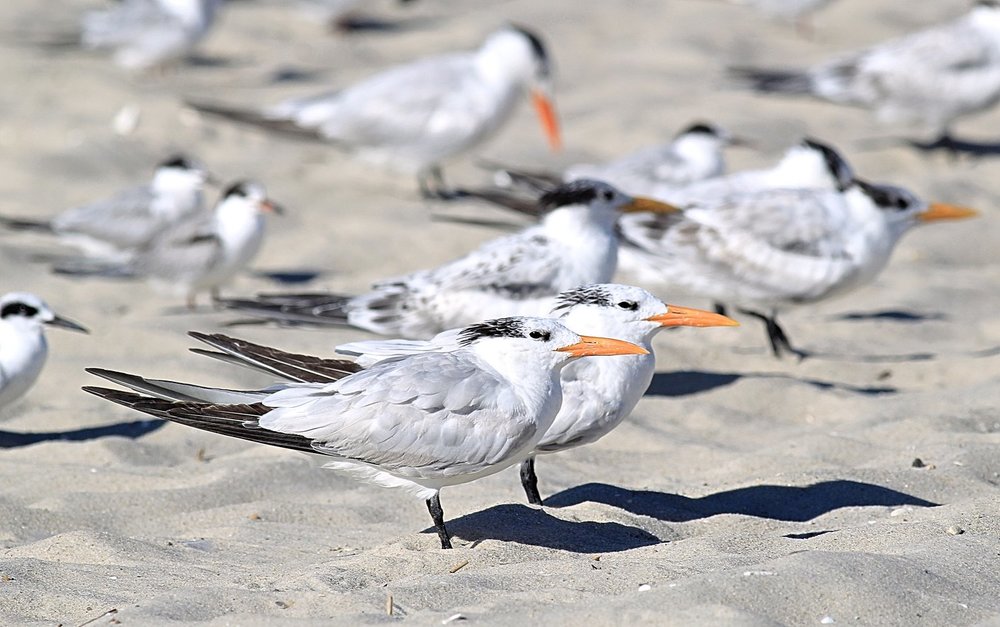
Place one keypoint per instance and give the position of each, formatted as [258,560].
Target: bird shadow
[892,315]
[290,276]
[776,502]
[528,525]
[688,382]
[957,147]
[131,430]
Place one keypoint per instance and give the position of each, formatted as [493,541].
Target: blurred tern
[116,227]
[149,33]
[23,348]
[419,424]
[416,116]
[575,244]
[200,254]
[931,77]
[598,394]
[778,248]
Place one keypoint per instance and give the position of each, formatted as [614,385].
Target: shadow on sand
[131,430]
[687,382]
[528,525]
[789,503]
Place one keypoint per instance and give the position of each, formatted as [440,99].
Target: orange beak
[593,346]
[688,317]
[941,211]
[640,204]
[271,206]
[547,116]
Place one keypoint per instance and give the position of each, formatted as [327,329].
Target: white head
[626,312]
[246,200]
[517,55]
[520,344]
[595,201]
[179,175]
[25,312]
[813,164]
[986,14]
[901,209]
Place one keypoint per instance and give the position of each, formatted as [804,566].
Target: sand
[744,490]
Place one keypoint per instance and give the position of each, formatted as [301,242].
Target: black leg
[529,481]
[775,334]
[719,308]
[437,515]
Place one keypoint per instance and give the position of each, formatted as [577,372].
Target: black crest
[580,192]
[177,161]
[501,327]
[700,127]
[537,47]
[993,4]
[886,196]
[586,295]
[838,168]
[239,188]
[18,308]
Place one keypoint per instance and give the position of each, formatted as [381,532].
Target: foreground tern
[200,254]
[145,34]
[778,248]
[597,394]
[420,424]
[117,226]
[931,77]
[23,348]
[415,117]
[575,244]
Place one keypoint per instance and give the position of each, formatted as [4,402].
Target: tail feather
[773,81]
[87,267]
[256,119]
[19,224]
[323,310]
[291,366]
[175,391]
[238,421]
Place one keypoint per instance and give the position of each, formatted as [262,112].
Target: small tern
[931,77]
[117,226]
[779,248]
[418,424]
[23,348]
[416,116]
[144,34]
[200,254]
[575,244]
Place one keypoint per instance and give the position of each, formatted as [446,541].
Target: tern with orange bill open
[419,424]
[576,243]
[417,116]
[778,248]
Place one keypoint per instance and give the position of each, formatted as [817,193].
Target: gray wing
[183,253]
[433,412]
[124,220]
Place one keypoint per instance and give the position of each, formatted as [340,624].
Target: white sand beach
[744,490]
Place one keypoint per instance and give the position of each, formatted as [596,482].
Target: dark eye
[539,335]
[608,195]
[628,305]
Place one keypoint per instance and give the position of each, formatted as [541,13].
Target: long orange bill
[641,204]
[547,116]
[688,317]
[941,211]
[593,346]
[273,207]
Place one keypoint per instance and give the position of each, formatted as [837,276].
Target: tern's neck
[191,12]
[986,19]
[702,152]
[238,224]
[572,221]
[21,343]
[801,168]
[180,191]
[505,59]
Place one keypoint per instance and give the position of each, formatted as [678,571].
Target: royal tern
[117,226]
[199,254]
[23,348]
[149,33]
[416,116]
[931,77]
[419,424]
[597,394]
[778,248]
[575,244]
